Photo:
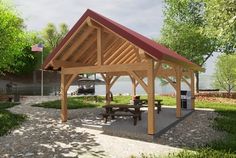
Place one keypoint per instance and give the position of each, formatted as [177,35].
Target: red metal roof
[153,48]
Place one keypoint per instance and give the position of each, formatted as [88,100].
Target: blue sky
[143,16]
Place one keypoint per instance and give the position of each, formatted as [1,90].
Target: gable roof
[152,48]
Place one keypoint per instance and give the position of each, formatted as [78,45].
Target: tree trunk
[229,90]
[197,82]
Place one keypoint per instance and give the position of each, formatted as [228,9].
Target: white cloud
[143,16]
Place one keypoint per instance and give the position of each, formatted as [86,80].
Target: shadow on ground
[45,136]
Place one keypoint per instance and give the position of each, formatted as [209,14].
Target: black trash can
[184,99]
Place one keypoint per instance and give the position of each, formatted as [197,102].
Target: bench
[6,98]
[135,116]
[122,110]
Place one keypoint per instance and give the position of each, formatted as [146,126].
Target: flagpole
[41,75]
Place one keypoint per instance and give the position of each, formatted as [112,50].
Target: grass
[203,153]
[89,102]
[8,120]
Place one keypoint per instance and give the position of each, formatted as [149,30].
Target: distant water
[124,86]
[121,86]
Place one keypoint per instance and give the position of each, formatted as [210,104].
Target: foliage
[8,120]
[183,30]
[12,36]
[27,61]
[203,153]
[221,23]
[52,36]
[225,73]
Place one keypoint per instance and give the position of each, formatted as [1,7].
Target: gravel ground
[194,131]
[43,135]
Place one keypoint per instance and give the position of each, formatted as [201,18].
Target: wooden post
[192,90]
[133,87]
[151,98]
[63,98]
[99,47]
[178,91]
[108,89]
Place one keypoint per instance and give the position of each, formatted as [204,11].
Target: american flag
[37,48]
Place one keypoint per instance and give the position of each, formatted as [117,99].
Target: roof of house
[152,48]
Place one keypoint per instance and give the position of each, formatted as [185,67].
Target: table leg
[135,120]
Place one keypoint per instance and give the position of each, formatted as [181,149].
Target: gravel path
[43,135]
[194,131]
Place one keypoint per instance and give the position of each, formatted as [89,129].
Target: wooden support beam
[143,55]
[170,81]
[151,98]
[185,81]
[115,78]
[133,86]
[61,63]
[63,98]
[70,80]
[104,77]
[192,87]
[108,79]
[136,51]
[104,68]
[99,47]
[178,89]
[140,81]
[156,68]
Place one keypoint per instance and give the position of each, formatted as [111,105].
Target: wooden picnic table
[113,110]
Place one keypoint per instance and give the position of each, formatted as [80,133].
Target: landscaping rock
[194,131]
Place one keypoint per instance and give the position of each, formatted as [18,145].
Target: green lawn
[8,120]
[89,102]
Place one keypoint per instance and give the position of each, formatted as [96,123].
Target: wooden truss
[93,48]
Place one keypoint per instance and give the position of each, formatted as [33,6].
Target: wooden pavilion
[97,44]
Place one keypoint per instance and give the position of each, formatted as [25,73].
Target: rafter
[85,47]
[130,57]
[110,52]
[120,54]
[72,49]
[128,54]
[115,54]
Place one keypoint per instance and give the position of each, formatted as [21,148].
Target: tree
[183,31]
[221,23]
[52,36]
[27,61]
[225,74]
[12,36]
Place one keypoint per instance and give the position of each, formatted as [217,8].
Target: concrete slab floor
[123,126]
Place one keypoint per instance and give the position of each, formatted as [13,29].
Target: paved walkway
[43,135]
